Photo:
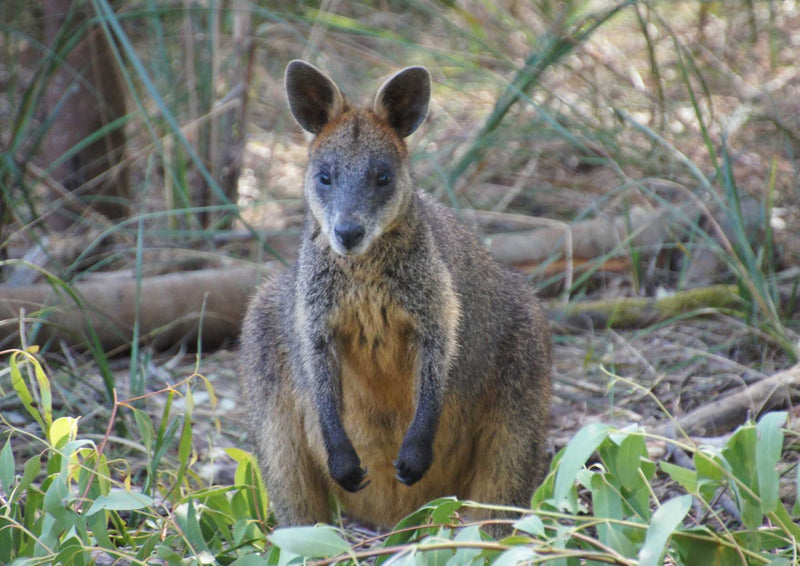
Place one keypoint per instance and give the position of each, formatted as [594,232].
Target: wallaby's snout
[349,234]
[359,181]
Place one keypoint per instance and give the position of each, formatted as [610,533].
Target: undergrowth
[74,502]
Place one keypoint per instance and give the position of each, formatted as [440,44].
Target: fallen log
[171,309]
[725,414]
[645,230]
[636,312]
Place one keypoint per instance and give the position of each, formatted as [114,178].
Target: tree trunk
[85,95]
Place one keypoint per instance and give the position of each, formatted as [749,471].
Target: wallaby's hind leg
[513,439]
[510,465]
[295,484]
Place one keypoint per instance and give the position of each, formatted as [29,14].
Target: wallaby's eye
[383,179]
[324,178]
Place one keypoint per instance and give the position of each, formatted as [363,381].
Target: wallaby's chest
[374,338]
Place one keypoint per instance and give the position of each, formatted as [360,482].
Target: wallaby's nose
[349,234]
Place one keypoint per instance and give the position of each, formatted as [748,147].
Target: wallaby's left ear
[314,98]
[403,99]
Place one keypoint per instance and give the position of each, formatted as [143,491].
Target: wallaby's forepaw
[414,460]
[345,468]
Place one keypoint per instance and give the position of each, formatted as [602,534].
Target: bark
[85,94]
[641,312]
[725,414]
[610,238]
[169,310]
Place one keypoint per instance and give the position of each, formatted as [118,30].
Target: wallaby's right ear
[314,98]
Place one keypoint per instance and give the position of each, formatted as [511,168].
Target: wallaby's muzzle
[349,234]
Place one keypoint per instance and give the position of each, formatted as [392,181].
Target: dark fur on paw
[345,468]
[413,461]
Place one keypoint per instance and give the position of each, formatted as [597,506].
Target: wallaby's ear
[403,99]
[314,98]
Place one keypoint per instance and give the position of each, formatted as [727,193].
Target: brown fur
[409,354]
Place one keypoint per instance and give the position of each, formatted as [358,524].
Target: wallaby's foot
[414,460]
[345,468]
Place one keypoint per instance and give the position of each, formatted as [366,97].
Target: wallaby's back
[396,361]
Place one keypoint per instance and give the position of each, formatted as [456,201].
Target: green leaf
[710,472]
[44,392]
[145,425]
[694,547]
[514,556]
[608,504]
[445,509]
[629,460]
[438,557]
[464,556]
[310,542]
[72,553]
[665,520]
[120,500]
[32,468]
[707,466]
[786,522]
[250,560]
[768,453]
[191,528]
[63,430]
[56,500]
[408,557]
[403,531]
[98,524]
[185,445]
[7,467]
[530,524]
[21,387]
[685,477]
[576,454]
[796,508]
[739,457]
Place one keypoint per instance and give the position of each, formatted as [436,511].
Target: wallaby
[396,362]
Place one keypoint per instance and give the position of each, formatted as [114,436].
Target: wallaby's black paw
[414,460]
[345,468]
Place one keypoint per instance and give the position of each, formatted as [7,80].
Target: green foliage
[71,503]
[621,528]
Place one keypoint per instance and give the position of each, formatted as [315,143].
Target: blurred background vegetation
[164,123]
[140,138]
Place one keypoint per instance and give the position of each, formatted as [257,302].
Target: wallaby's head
[358,180]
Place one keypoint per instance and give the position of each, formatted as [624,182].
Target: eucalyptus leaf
[663,523]
[768,454]
[120,500]
[576,454]
[311,542]
[514,556]
[7,468]
[530,524]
